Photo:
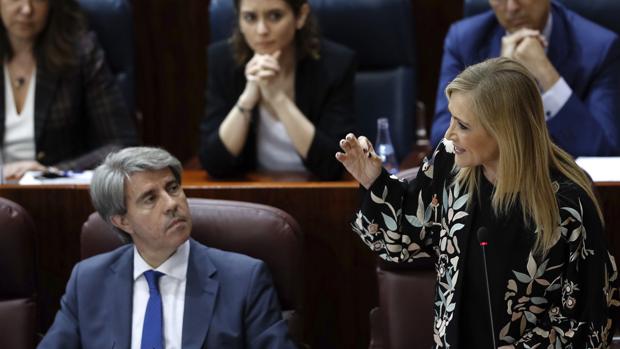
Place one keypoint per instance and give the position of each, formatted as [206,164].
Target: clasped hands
[527,46]
[264,79]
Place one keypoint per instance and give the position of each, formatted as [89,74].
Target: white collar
[175,266]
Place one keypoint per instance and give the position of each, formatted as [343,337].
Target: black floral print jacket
[560,300]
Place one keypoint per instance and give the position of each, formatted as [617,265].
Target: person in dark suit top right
[576,64]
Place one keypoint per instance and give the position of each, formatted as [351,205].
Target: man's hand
[528,47]
[512,40]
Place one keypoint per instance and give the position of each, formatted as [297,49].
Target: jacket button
[40,155]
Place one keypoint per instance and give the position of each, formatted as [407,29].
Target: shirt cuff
[555,98]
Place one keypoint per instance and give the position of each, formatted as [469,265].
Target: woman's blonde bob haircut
[506,99]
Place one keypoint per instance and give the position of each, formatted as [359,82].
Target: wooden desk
[339,279]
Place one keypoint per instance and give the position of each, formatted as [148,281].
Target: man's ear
[304,11]
[121,223]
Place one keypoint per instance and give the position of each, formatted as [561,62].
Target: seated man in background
[164,290]
[575,62]
[59,103]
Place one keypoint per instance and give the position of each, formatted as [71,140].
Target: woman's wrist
[247,113]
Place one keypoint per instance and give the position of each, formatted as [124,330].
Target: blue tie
[152,336]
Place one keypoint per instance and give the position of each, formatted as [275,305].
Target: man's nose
[513,5]
[171,203]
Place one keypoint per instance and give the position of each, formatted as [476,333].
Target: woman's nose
[262,27]
[25,7]
[450,131]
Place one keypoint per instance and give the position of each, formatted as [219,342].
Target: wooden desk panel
[339,283]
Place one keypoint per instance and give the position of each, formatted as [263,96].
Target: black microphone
[483,239]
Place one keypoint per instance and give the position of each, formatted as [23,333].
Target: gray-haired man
[165,290]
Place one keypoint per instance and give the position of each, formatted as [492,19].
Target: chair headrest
[112,21]
[380,32]
[384,93]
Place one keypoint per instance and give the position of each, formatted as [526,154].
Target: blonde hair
[506,99]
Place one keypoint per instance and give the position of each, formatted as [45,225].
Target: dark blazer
[585,54]
[323,91]
[230,303]
[79,116]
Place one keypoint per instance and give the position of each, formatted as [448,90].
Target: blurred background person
[278,97]
[60,105]
[551,279]
[576,64]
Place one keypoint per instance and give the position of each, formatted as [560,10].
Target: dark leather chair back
[260,231]
[17,290]
[405,312]
[603,12]
[381,33]
[112,21]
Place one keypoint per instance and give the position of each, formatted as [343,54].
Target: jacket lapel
[495,44]
[200,295]
[559,50]
[121,300]
[44,93]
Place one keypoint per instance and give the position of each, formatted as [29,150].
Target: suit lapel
[494,47]
[44,93]
[559,50]
[200,295]
[121,299]
[305,80]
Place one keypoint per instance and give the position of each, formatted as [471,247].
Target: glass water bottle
[384,147]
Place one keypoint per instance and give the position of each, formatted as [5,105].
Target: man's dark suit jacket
[230,303]
[79,115]
[324,90]
[585,54]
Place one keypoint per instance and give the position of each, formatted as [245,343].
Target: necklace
[19,82]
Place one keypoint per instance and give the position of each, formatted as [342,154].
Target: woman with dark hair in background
[278,98]
[551,280]
[60,104]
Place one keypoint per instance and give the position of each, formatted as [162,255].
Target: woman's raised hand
[360,159]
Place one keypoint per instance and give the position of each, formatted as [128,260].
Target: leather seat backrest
[17,267]
[260,231]
[112,21]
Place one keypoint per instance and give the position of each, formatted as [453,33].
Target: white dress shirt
[172,290]
[18,127]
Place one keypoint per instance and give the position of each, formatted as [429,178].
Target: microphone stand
[482,238]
